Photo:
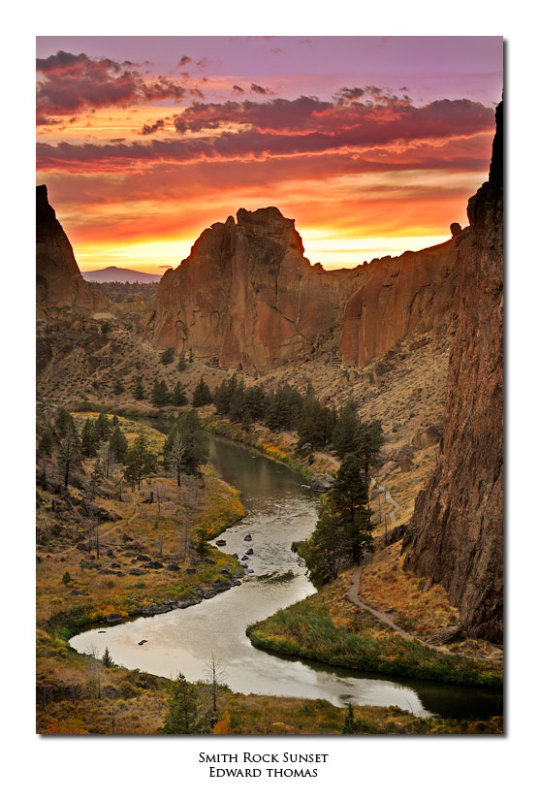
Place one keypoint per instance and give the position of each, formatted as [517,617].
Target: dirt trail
[386,619]
[103,538]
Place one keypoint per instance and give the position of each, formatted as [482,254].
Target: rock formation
[455,536]
[60,285]
[246,297]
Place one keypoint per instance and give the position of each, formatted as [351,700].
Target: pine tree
[178,397]
[140,461]
[190,434]
[182,363]
[202,394]
[182,714]
[342,533]
[106,659]
[46,442]
[89,439]
[160,393]
[103,427]
[119,387]
[118,444]
[68,447]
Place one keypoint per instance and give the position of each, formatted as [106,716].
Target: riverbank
[133,555]
[325,627]
[132,702]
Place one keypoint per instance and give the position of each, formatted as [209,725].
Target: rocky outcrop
[455,536]
[59,283]
[246,297]
[398,298]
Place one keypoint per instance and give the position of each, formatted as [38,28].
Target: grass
[309,629]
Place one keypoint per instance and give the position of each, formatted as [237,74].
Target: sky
[372,144]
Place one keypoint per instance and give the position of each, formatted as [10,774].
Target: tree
[342,533]
[63,422]
[182,714]
[119,387]
[175,456]
[96,478]
[202,394]
[216,674]
[118,444]
[160,393]
[106,659]
[89,439]
[179,397]
[138,392]
[45,449]
[201,543]
[68,451]
[140,461]
[167,356]
[182,363]
[223,395]
[345,436]
[103,427]
[192,438]
[66,578]
[350,725]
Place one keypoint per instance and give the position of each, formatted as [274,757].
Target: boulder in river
[248,538]
[143,641]
[112,618]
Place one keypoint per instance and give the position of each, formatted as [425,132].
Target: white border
[385,767]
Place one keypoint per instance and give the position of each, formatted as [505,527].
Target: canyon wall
[59,283]
[247,298]
[456,533]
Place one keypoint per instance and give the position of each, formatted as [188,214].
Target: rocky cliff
[246,297]
[455,536]
[59,283]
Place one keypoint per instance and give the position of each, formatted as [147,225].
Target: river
[281,509]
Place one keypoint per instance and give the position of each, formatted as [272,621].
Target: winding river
[281,509]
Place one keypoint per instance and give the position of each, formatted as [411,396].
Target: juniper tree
[182,713]
[167,356]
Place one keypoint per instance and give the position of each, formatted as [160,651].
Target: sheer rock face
[247,297]
[398,298]
[60,285]
[456,536]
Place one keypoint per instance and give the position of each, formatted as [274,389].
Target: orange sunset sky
[373,145]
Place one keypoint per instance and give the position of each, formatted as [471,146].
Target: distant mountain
[119,274]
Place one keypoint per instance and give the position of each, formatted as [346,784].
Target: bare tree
[175,456]
[96,671]
[67,451]
[216,675]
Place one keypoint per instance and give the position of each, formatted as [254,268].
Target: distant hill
[117,274]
